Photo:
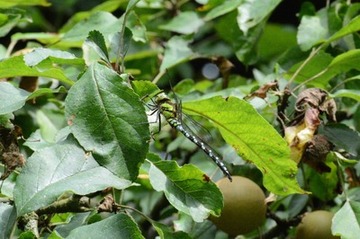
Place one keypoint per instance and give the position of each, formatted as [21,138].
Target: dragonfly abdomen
[175,123]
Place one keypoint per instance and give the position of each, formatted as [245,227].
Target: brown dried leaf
[9,150]
[263,90]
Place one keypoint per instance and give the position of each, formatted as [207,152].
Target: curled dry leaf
[318,99]
[299,135]
[263,90]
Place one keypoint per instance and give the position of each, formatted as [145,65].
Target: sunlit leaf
[253,138]
[348,93]
[186,189]
[117,226]
[7,70]
[108,119]
[12,3]
[351,27]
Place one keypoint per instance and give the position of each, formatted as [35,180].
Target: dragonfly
[172,112]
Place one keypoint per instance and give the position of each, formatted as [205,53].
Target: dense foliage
[85,152]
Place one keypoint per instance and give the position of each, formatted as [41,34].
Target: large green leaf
[103,22]
[176,52]
[11,98]
[253,12]
[15,66]
[312,30]
[316,65]
[7,220]
[184,23]
[118,226]
[166,233]
[351,27]
[343,137]
[186,189]
[353,94]
[12,3]
[10,18]
[60,168]
[108,119]
[253,138]
[57,57]
[221,9]
[346,222]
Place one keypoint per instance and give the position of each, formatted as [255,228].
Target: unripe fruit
[315,225]
[244,206]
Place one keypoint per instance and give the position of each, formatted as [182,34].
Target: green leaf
[15,66]
[348,217]
[353,94]
[64,167]
[316,65]
[108,119]
[7,220]
[165,232]
[253,138]
[144,88]
[103,22]
[352,27]
[225,7]
[40,54]
[11,98]
[345,62]
[324,185]
[10,18]
[184,23]
[117,226]
[176,52]
[312,30]
[137,28]
[343,137]
[253,12]
[96,41]
[12,3]
[186,189]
